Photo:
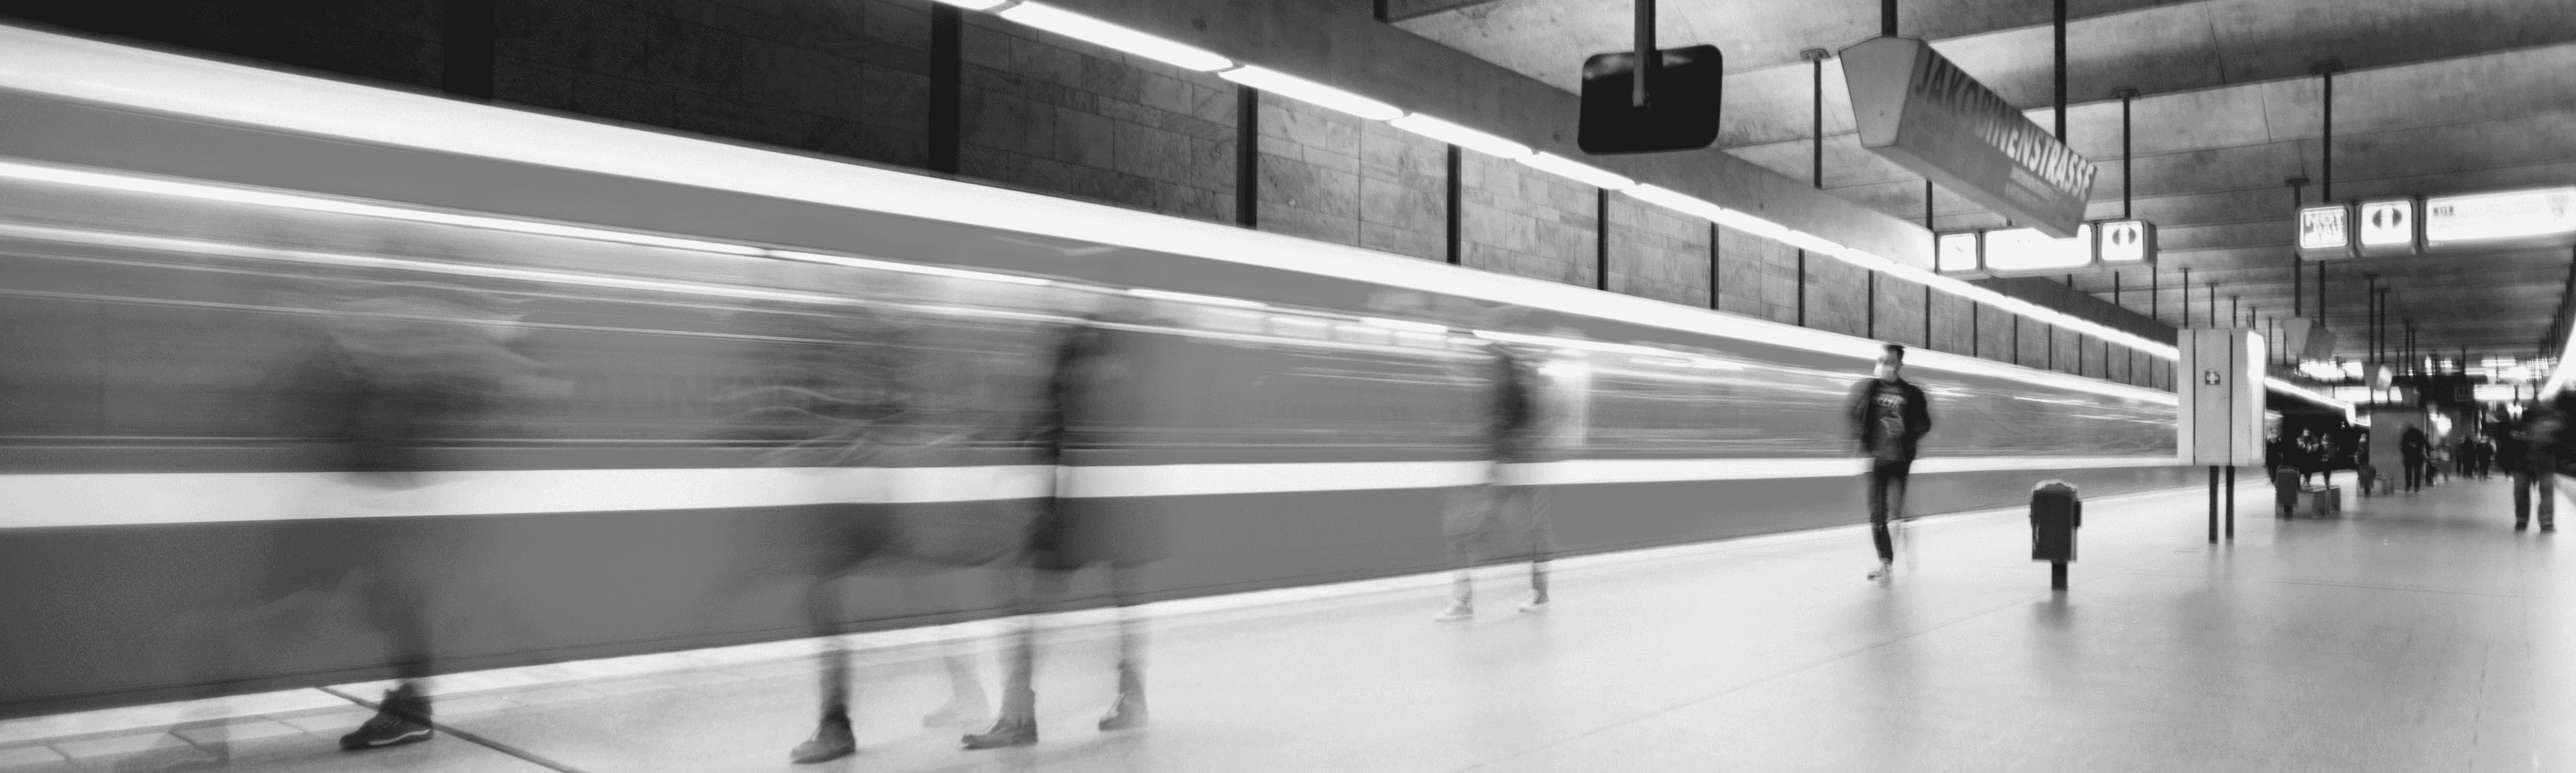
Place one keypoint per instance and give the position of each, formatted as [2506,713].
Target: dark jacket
[1864,406]
[2411,444]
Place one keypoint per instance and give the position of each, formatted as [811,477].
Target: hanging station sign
[2325,232]
[2012,251]
[1922,112]
[2385,226]
[2018,250]
[2126,242]
[1955,252]
[2545,216]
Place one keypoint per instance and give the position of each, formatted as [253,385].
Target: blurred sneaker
[1129,712]
[385,729]
[955,714]
[1458,610]
[1535,604]
[1884,571]
[831,741]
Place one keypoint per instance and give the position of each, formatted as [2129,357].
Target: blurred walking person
[1889,418]
[1093,365]
[2411,446]
[1479,518]
[2529,452]
[399,366]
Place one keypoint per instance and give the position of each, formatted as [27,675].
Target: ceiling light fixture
[1085,28]
[1318,94]
[1461,136]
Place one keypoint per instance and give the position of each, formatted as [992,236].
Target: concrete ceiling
[2441,96]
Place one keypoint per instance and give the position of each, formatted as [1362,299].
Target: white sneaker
[1535,604]
[1883,571]
[1458,610]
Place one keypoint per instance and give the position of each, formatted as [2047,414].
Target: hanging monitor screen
[2026,249]
[2544,215]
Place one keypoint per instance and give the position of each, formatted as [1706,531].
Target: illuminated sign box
[2128,242]
[2497,393]
[2325,232]
[2545,216]
[2385,226]
[1955,253]
[2026,250]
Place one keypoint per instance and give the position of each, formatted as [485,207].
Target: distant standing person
[1889,417]
[2411,445]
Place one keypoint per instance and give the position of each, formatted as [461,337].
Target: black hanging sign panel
[1681,102]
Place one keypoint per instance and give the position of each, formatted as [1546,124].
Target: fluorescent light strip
[1461,136]
[2560,373]
[1085,28]
[1213,300]
[887,265]
[976,5]
[1400,324]
[1293,87]
[171,84]
[1578,171]
[309,203]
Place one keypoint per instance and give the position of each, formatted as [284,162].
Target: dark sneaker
[831,741]
[386,729]
[1006,732]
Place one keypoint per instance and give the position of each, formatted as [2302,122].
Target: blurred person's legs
[1886,500]
[2544,476]
[1016,723]
[1531,502]
[1129,710]
[398,605]
[832,739]
[1466,521]
[2414,474]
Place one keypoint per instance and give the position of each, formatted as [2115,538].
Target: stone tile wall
[850,78]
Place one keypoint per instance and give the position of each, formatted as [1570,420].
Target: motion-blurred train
[667,377]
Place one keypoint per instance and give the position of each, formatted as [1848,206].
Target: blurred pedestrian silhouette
[1495,515]
[1099,369]
[1889,418]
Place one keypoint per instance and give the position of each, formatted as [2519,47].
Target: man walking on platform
[1888,417]
[2528,453]
[2411,445]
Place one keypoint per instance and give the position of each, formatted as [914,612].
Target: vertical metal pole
[1816,138]
[1457,167]
[2213,306]
[2325,191]
[2298,286]
[1377,10]
[1647,59]
[2213,499]
[1869,306]
[947,81]
[2125,96]
[2186,299]
[1887,17]
[2060,30]
[2155,295]
[1247,161]
[1601,239]
[2231,502]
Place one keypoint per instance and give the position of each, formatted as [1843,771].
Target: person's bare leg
[1463,522]
[1542,543]
[1129,711]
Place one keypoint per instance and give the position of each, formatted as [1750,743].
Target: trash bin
[2055,513]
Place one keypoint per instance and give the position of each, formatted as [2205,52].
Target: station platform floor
[2415,632]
